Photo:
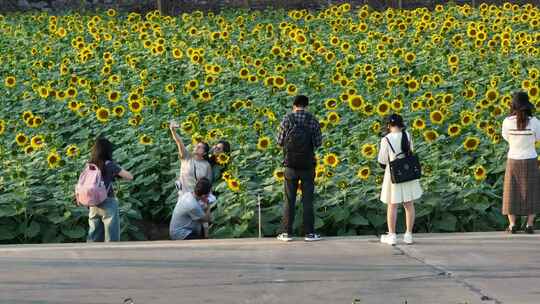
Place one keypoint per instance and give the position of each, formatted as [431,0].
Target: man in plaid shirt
[299,165]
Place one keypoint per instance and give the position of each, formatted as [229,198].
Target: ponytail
[405,143]
[522,108]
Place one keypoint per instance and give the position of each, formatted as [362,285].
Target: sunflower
[135,106]
[409,57]
[27,115]
[469,93]
[243,73]
[269,81]
[279,82]
[471,143]
[263,143]
[72,92]
[533,92]
[73,105]
[114,96]
[187,126]
[454,130]
[29,149]
[383,108]
[145,140]
[53,160]
[177,53]
[222,159]
[227,175]
[333,118]
[480,173]
[419,124]
[496,139]
[20,139]
[279,175]
[192,84]
[119,111]
[368,151]
[209,80]
[102,114]
[233,184]
[133,96]
[356,102]
[397,105]
[43,92]
[10,81]
[413,85]
[376,127]
[453,60]
[467,119]
[430,135]
[331,159]
[492,95]
[436,117]
[72,151]
[368,109]
[36,121]
[331,104]
[205,95]
[37,142]
[363,173]
[291,89]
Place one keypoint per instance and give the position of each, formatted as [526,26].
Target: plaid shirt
[304,118]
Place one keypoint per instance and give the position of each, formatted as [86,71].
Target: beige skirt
[521,194]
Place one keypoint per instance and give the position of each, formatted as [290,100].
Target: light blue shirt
[186,216]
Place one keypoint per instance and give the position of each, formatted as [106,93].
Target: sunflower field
[65,79]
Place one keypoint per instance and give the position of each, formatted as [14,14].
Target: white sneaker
[312,237]
[408,239]
[390,239]
[284,237]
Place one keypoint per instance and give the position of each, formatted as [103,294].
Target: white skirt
[399,193]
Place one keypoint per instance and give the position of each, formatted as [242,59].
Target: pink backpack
[90,190]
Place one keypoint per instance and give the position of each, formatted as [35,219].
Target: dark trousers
[292,179]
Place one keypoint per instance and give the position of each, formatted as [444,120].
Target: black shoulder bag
[404,169]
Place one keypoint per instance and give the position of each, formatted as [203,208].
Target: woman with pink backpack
[95,190]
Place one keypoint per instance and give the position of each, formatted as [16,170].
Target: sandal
[529,230]
[511,229]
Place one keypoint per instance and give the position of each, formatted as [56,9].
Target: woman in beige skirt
[397,143]
[522,178]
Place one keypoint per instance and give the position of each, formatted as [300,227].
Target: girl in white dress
[397,144]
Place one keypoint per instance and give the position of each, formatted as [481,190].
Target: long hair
[101,152]
[396,120]
[226,146]
[226,150]
[522,108]
[206,155]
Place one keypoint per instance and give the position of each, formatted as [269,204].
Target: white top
[191,170]
[396,193]
[385,151]
[521,142]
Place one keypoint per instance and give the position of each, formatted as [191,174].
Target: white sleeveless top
[521,142]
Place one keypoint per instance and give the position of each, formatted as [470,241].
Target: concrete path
[439,268]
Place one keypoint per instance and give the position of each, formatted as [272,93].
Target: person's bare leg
[512,220]
[391,217]
[409,216]
[530,220]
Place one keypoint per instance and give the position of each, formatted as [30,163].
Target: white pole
[259,212]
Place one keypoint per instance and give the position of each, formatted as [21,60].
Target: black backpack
[298,146]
